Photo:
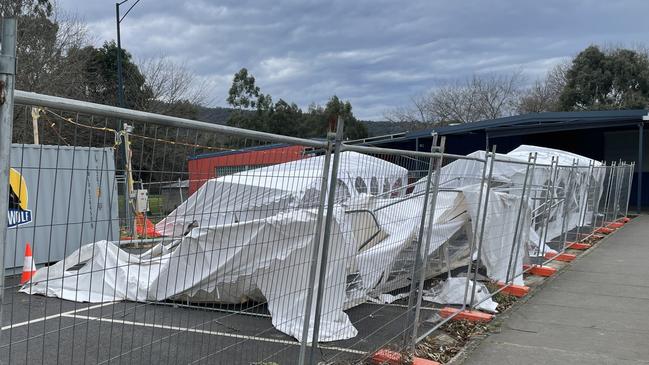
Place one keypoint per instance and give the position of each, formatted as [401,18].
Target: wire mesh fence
[163,240]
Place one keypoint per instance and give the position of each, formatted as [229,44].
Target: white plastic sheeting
[265,191]
[454,291]
[226,263]
[255,237]
[509,171]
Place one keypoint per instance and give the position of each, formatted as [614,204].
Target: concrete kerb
[495,325]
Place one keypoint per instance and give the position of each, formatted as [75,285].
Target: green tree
[283,117]
[243,93]
[336,107]
[100,77]
[613,79]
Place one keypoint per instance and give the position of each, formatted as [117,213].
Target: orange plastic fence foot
[604,230]
[420,361]
[515,290]
[469,315]
[565,257]
[578,246]
[388,357]
[540,270]
[615,225]
[625,219]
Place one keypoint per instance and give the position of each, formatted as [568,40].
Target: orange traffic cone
[29,268]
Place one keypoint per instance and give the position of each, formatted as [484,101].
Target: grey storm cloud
[377,54]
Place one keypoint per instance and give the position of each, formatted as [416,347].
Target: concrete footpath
[596,311]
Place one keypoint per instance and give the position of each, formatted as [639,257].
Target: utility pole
[126,156]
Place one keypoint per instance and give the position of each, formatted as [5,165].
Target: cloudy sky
[375,53]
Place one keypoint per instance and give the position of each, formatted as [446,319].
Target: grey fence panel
[269,251]
[71,196]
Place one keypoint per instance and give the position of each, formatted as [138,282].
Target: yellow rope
[118,133]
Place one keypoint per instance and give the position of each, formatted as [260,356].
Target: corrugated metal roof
[534,120]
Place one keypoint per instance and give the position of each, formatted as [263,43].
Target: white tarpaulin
[253,238]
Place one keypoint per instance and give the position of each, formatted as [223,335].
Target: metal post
[121,101]
[628,193]
[36,113]
[128,180]
[531,159]
[567,195]
[549,200]
[474,239]
[619,171]
[640,165]
[316,249]
[7,84]
[416,293]
[596,196]
[609,187]
[331,200]
[482,225]
[584,207]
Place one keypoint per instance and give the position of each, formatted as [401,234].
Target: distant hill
[216,115]
[220,115]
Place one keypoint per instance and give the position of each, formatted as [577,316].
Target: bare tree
[47,61]
[174,86]
[476,98]
[543,96]
[417,111]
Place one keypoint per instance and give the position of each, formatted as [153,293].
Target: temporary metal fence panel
[228,282]
[326,258]
[329,257]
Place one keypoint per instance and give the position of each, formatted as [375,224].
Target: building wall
[204,168]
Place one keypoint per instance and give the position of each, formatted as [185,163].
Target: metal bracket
[7,65]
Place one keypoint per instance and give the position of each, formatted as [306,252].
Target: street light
[120,78]
[126,165]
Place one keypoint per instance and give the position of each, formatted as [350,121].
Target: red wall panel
[202,169]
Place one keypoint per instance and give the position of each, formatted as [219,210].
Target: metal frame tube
[316,251]
[584,206]
[630,183]
[608,193]
[423,252]
[482,225]
[84,107]
[549,199]
[7,78]
[416,268]
[331,200]
[531,159]
[567,195]
[475,230]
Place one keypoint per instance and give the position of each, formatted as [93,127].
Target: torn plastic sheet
[387,298]
[266,191]
[229,258]
[453,290]
[208,265]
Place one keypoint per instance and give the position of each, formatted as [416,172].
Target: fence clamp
[7,65]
